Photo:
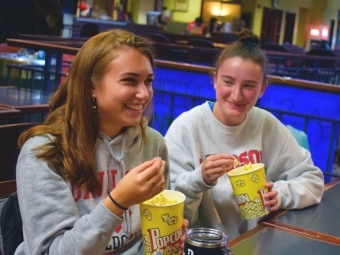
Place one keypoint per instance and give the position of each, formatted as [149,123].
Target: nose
[236,94]
[142,92]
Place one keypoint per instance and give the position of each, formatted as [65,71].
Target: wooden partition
[186,53]
[175,37]
[104,25]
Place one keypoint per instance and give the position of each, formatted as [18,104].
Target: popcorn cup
[249,188]
[162,224]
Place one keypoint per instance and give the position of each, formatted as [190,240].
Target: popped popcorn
[160,200]
[235,162]
[248,167]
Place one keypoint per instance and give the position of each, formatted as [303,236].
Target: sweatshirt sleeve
[298,181]
[51,220]
[185,173]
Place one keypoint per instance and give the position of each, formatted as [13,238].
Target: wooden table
[217,45]
[312,230]
[321,221]
[26,101]
[10,114]
[268,240]
[52,49]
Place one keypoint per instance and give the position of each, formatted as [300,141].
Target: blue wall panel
[177,91]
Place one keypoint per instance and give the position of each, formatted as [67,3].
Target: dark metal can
[203,241]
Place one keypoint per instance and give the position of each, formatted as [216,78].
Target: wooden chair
[7,188]
[228,38]
[321,69]
[163,39]
[9,151]
[203,53]
[331,63]
[171,51]
[158,37]
[273,47]
[203,43]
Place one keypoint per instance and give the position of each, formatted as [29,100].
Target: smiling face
[124,92]
[238,84]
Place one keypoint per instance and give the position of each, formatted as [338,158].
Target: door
[289,27]
[337,40]
[271,25]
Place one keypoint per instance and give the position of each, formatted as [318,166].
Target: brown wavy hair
[72,120]
[246,48]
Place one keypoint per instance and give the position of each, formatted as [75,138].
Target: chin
[235,114]
[133,122]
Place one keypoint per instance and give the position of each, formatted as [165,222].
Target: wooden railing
[181,86]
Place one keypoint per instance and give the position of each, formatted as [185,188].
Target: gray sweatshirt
[59,218]
[196,134]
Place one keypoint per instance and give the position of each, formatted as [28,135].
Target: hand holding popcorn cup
[249,185]
[161,223]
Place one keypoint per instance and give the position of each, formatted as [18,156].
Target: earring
[94,104]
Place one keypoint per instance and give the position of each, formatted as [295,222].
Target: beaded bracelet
[121,207]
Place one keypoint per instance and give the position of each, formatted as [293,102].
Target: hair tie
[114,201]
[251,43]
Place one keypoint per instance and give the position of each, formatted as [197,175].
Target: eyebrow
[232,78]
[135,74]
[227,76]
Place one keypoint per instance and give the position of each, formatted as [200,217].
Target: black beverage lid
[206,238]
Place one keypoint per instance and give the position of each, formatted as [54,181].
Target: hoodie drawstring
[121,171]
[127,217]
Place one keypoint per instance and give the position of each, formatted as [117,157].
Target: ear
[214,79]
[264,87]
[93,91]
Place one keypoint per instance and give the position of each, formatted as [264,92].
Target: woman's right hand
[141,183]
[215,166]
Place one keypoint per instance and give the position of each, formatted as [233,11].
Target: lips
[236,105]
[136,107]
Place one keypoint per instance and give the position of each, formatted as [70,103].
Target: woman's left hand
[271,197]
[184,230]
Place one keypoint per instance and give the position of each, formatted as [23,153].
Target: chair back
[228,38]
[203,43]
[158,37]
[300,136]
[141,29]
[322,63]
[273,47]
[7,188]
[291,48]
[9,150]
